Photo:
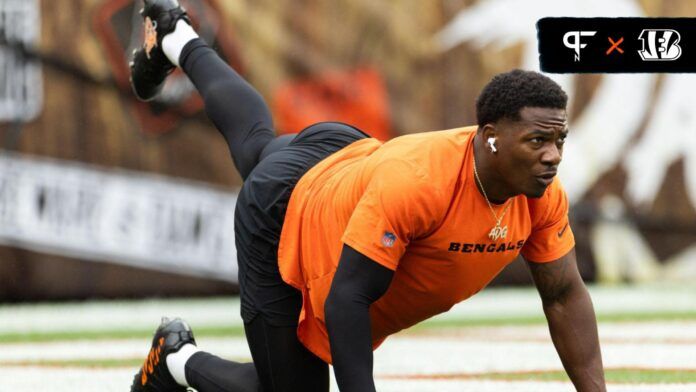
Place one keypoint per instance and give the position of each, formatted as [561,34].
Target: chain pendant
[498,232]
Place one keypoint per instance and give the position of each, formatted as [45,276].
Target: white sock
[174,42]
[176,363]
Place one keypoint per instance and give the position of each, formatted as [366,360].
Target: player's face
[531,149]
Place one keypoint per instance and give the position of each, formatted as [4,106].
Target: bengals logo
[660,45]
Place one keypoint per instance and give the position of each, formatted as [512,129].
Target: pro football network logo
[388,239]
[660,45]
[572,40]
[617,45]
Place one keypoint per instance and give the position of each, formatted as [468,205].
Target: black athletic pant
[281,363]
[270,167]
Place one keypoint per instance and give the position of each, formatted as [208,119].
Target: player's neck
[493,183]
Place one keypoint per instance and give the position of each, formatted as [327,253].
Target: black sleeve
[359,281]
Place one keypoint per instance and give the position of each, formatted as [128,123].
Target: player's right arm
[359,281]
[550,253]
[399,204]
[572,321]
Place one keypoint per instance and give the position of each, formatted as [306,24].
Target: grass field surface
[496,341]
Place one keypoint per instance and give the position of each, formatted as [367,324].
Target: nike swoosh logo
[560,233]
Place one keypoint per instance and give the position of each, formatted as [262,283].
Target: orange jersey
[412,205]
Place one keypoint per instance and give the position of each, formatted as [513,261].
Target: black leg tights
[233,105]
[208,373]
[281,364]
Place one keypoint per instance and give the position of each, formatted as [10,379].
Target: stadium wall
[629,166]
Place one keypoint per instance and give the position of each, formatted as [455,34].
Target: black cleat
[154,376]
[149,66]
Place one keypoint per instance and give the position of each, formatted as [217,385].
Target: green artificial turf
[618,375]
[238,330]
[38,337]
[90,363]
[539,319]
[621,375]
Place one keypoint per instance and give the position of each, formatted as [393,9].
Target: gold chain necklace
[497,231]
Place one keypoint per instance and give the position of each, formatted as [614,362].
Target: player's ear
[490,137]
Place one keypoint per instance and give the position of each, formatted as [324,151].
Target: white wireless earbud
[491,142]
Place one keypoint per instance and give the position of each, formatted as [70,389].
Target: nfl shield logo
[388,239]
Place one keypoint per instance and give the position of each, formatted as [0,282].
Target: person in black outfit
[271,168]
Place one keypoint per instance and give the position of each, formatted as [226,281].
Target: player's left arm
[571,320]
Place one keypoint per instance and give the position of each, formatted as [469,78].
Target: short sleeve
[399,204]
[551,236]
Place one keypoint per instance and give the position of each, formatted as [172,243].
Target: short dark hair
[507,93]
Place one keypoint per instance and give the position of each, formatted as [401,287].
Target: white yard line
[110,349]
[16,379]
[515,386]
[448,356]
[118,380]
[399,355]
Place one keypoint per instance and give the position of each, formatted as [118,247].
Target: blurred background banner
[142,220]
[72,133]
